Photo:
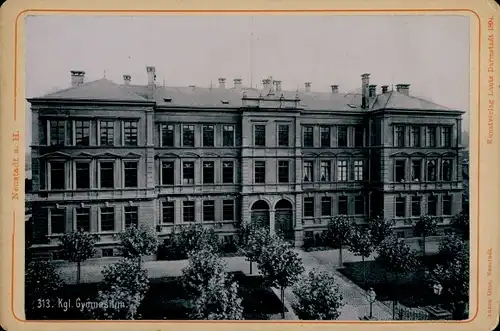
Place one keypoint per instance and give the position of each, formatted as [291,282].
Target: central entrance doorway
[284,219]
[260,213]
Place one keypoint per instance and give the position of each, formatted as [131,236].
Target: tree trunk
[423,247]
[283,302]
[250,267]
[340,256]
[78,271]
[364,269]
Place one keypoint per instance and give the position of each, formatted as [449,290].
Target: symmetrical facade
[107,155]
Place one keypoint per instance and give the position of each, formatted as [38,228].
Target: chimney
[266,85]
[372,91]
[335,88]
[277,85]
[403,88]
[222,83]
[385,88]
[237,83]
[127,79]
[151,75]
[365,82]
[308,86]
[77,77]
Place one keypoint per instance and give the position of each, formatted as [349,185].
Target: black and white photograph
[247,167]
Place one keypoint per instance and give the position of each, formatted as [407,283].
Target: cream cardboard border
[484,149]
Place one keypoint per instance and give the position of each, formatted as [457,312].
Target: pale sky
[429,52]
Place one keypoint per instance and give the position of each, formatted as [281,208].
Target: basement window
[352,106]
[225,102]
[167,99]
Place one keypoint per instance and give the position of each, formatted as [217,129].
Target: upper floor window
[358,136]
[283,135]
[415,136]
[308,136]
[228,172]
[57,132]
[343,205]
[167,135]
[168,212]
[283,172]
[260,172]
[308,171]
[342,170]
[107,174]
[130,133]
[106,133]
[83,219]
[326,206]
[82,133]
[260,135]
[416,170]
[400,207]
[208,135]
[130,174]
[309,207]
[188,211]
[82,175]
[446,170]
[208,211]
[400,170]
[167,173]
[325,171]
[446,139]
[131,216]
[399,136]
[342,136]
[188,172]
[228,135]
[358,170]
[431,136]
[107,218]
[188,136]
[431,170]
[208,172]
[57,175]
[325,136]
[432,205]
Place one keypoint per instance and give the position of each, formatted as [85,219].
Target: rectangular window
[358,170]
[415,206]
[446,141]
[228,172]
[326,206]
[208,211]
[325,171]
[400,207]
[283,172]
[342,170]
[431,136]
[82,175]
[343,208]
[130,133]
[228,135]
[400,170]
[446,168]
[283,135]
[309,207]
[107,133]
[399,136]
[260,172]
[83,219]
[325,136]
[57,220]
[260,135]
[208,172]
[57,133]
[188,136]
[308,136]
[446,204]
[188,173]
[42,125]
[228,210]
[167,173]
[431,170]
[415,136]
[188,211]
[432,205]
[208,135]
[167,135]
[130,170]
[359,205]
[107,219]
[57,175]
[308,171]
[342,136]
[131,216]
[416,170]
[358,136]
[168,212]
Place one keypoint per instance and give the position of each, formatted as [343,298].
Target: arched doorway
[260,213]
[284,219]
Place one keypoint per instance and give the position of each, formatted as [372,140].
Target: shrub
[190,238]
[379,229]
[450,246]
[203,265]
[338,233]
[137,242]
[77,247]
[42,286]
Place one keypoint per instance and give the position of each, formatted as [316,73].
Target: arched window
[431,170]
[446,170]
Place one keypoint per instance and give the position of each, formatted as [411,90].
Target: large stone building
[108,155]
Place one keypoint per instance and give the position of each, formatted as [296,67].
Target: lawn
[166,299]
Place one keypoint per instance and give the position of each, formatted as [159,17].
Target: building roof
[193,96]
